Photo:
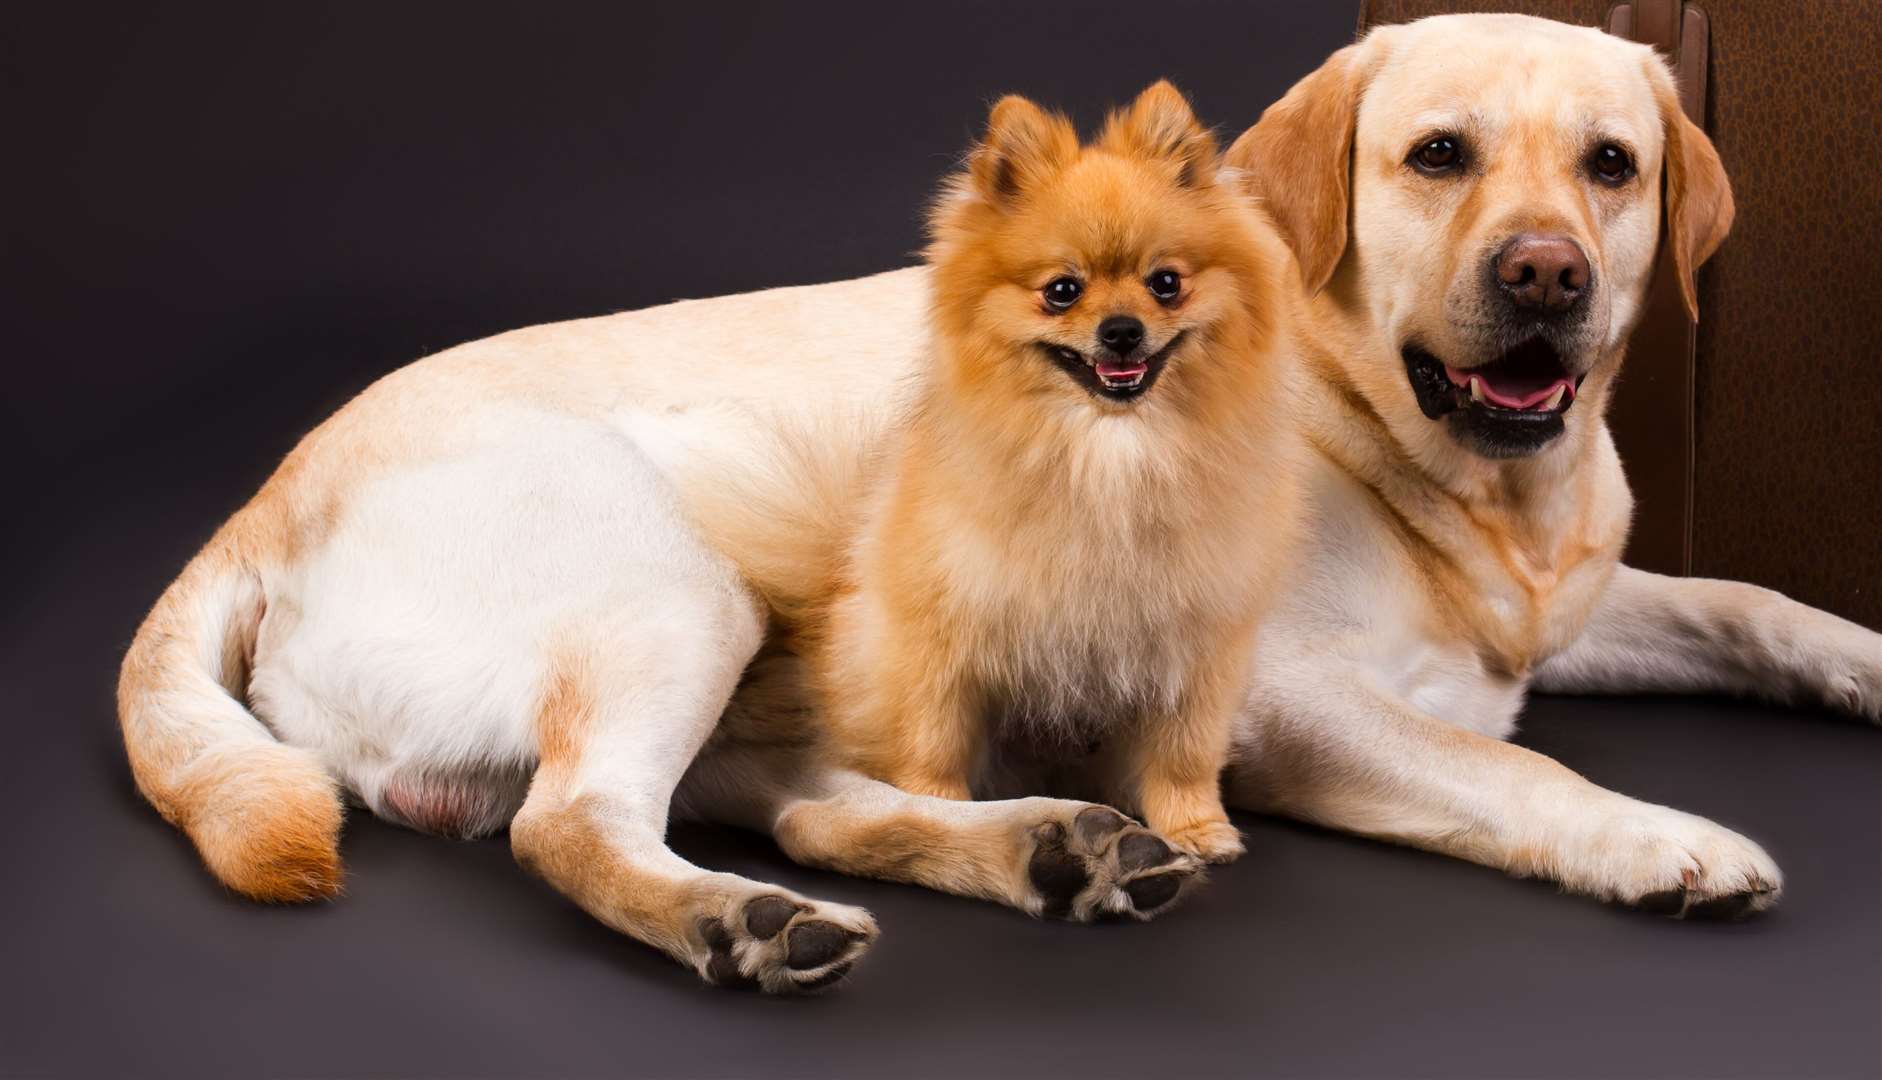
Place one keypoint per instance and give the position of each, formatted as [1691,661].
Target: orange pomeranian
[1071,537]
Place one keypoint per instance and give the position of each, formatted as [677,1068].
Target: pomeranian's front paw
[1210,841]
[1091,861]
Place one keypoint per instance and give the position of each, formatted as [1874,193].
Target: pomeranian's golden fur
[1059,537]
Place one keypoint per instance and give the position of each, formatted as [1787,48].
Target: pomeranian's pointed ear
[1024,144]
[1297,161]
[1161,125]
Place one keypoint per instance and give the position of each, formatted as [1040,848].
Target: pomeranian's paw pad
[1105,864]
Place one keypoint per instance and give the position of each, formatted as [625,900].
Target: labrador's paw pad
[783,944]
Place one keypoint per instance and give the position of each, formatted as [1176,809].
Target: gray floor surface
[1316,955]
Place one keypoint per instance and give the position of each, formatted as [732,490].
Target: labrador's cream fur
[1442,585]
[484,568]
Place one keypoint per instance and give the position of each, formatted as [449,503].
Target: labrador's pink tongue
[1512,391]
[1112,369]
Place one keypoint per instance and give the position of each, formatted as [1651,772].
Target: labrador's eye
[1164,284]
[1061,293]
[1611,164]
[1436,156]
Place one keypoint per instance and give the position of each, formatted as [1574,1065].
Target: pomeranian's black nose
[1121,334]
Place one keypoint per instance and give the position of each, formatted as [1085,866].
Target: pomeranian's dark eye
[1164,284]
[1440,155]
[1061,293]
[1611,164]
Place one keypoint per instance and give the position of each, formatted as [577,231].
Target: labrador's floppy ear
[1297,161]
[1698,197]
[1160,126]
[1024,144]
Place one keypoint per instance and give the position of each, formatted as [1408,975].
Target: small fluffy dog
[517,583]
[1059,546]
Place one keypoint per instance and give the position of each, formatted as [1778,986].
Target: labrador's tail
[264,815]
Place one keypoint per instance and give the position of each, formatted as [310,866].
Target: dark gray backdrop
[222,221]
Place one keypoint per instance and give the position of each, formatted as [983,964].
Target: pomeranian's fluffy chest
[1088,574]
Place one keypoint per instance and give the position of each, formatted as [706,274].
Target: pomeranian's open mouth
[1508,407]
[1113,377]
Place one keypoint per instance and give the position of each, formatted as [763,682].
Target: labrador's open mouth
[1507,407]
[1529,378]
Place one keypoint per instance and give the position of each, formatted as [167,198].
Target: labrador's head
[1484,195]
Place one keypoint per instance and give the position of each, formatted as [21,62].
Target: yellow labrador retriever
[473,598]
[1475,203]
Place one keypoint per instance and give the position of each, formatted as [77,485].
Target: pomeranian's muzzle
[1119,366]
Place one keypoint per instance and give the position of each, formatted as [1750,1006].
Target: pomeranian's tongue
[1515,389]
[1122,369]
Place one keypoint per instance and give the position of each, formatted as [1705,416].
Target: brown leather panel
[1652,413]
[1652,22]
[1621,21]
[1787,447]
[1653,420]
[1788,489]
[1696,31]
[1678,30]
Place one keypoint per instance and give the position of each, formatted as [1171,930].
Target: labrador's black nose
[1121,334]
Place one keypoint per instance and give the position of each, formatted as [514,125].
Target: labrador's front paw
[1671,863]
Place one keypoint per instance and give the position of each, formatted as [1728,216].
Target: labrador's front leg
[1651,633]
[1331,750]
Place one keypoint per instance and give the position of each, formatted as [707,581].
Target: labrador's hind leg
[616,734]
[636,680]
